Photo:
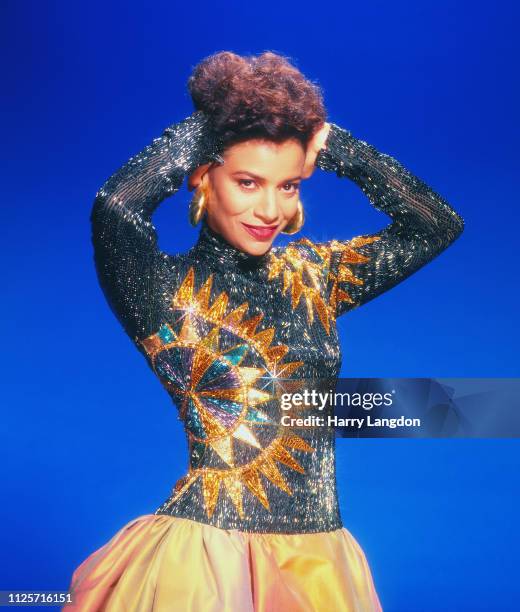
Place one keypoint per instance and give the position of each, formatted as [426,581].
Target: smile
[261,232]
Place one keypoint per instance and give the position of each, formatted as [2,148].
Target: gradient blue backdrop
[89,437]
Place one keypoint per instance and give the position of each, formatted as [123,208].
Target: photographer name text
[358,423]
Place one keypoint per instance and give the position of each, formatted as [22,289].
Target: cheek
[289,207]
[230,201]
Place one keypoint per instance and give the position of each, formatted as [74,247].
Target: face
[254,194]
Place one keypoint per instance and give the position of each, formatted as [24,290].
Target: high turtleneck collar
[218,253]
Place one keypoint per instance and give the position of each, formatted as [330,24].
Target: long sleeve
[129,264]
[423,224]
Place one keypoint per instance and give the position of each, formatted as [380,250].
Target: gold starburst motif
[248,476]
[305,268]
[212,363]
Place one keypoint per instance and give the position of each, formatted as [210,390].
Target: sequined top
[224,331]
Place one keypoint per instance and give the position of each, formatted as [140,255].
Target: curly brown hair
[262,96]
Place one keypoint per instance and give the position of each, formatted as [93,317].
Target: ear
[195,178]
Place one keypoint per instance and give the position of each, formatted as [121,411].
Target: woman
[254,524]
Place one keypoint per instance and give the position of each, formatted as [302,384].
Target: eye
[246,183]
[292,187]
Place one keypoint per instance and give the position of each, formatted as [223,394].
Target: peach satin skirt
[159,563]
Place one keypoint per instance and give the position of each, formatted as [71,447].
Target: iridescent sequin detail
[423,223]
[220,400]
[305,268]
[225,331]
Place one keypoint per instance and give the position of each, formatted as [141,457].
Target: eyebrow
[259,178]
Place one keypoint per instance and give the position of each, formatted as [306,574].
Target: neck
[218,252]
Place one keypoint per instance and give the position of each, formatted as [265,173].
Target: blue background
[89,437]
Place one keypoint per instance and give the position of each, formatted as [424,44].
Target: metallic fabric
[165,563]
[226,332]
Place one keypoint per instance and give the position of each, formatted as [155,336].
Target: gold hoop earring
[198,205]
[296,223]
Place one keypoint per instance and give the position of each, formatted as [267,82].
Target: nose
[267,208]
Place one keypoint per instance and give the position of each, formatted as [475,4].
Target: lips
[261,232]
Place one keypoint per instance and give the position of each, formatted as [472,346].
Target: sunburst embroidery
[305,268]
[219,398]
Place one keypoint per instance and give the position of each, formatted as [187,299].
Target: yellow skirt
[159,563]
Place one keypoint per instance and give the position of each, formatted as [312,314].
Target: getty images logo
[319,400]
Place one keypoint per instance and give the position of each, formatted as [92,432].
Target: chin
[257,248]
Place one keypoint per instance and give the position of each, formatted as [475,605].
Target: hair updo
[262,96]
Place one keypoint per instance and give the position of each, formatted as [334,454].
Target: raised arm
[129,264]
[423,223]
